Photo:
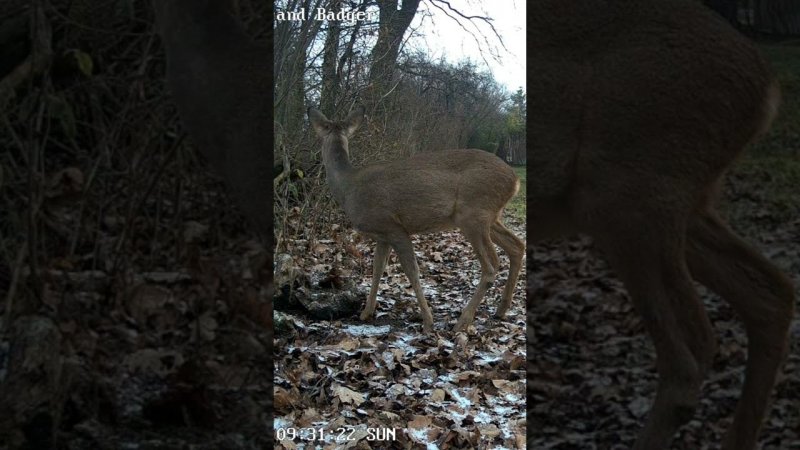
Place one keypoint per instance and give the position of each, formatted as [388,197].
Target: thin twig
[12,288]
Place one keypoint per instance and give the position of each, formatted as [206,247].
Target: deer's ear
[354,119]
[319,122]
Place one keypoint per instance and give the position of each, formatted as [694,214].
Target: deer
[637,109]
[427,192]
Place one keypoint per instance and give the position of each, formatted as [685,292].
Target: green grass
[517,205]
[764,184]
[784,136]
[770,168]
[769,172]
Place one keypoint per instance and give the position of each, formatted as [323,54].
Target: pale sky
[441,35]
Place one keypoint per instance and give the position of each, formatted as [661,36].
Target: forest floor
[385,384]
[164,355]
[591,366]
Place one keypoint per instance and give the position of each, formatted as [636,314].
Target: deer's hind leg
[482,244]
[515,249]
[764,299]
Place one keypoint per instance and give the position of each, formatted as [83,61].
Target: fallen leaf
[348,395]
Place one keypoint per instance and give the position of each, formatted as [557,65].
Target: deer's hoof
[462,324]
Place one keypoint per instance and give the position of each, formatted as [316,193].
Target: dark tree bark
[502,150]
[344,70]
[291,50]
[330,74]
[729,9]
[777,16]
[393,25]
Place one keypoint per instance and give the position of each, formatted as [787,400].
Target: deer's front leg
[650,261]
[378,265]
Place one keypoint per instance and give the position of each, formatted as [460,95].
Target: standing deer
[637,109]
[435,191]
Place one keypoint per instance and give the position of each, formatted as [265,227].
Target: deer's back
[648,88]
[427,191]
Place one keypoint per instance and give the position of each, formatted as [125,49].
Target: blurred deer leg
[487,256]
[380,258]
[764,299]
[515,249]
[649,257]
[405,252]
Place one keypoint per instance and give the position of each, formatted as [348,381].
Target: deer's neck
[337,167]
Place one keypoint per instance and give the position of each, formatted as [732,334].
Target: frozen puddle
[367,330]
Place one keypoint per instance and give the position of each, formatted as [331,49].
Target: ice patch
[463,402]
[421,435]
[280,422]
[402,343]
[367,330]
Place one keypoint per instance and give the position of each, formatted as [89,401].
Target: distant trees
[775,16]
[454,105]
[414,103]
[779,17]
[418,102]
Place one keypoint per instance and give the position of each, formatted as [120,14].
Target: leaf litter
[386,385]
[591,371]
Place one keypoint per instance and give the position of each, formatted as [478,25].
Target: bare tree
[293,38]
[393,24]
[780,17]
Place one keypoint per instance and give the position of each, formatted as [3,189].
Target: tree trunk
[502,150]
[393,25]
[345,77]
[290,66]
[292,41]
[729,9]
[330,74]
[777,16]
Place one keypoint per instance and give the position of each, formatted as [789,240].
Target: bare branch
[452,12]
[37,61]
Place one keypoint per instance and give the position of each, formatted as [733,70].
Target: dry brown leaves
[591,367]
[385,384]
